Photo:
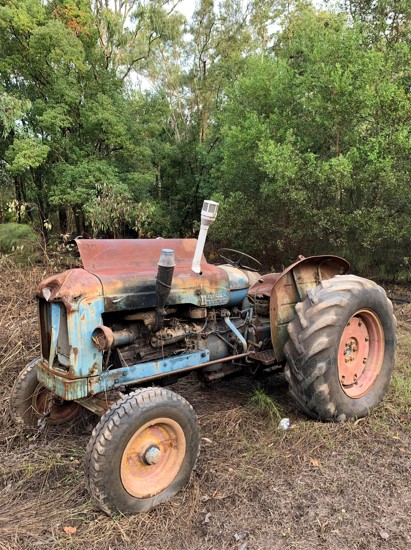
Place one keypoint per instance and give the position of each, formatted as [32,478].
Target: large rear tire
[341,349]
[142,451]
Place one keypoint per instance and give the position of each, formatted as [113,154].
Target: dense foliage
[117,118]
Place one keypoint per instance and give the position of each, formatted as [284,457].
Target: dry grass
[313,486]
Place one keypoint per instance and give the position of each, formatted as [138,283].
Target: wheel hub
[58,411]
[152,457]
[360,353]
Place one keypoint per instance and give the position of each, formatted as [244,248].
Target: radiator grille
[45,327]
[45,321]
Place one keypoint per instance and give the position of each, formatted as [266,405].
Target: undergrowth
[21,241]
[266,406]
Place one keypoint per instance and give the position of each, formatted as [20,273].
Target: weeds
[266,406]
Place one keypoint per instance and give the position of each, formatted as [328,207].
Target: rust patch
[59,383]
[102,337]
[70,285]
[292,286]
[127,270]
[135,255]
[264,285]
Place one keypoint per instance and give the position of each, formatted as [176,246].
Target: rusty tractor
[141,314]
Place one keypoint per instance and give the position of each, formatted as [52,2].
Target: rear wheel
[142,451]
[30,401]
[341,347]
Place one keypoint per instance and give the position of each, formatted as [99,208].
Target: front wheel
[341,349]
[30,401]
[142,451]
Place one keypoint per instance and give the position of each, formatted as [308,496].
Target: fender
[292,286]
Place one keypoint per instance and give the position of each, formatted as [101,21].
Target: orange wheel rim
[360,353]
[152,458]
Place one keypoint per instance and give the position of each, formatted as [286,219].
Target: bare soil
[330,486]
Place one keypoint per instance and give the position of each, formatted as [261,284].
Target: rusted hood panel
[70,286]
[133,255]
[127,269]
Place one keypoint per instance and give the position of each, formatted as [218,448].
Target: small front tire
[142,451]
[30,401]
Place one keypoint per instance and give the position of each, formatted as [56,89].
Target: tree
[78,141]
[316,143]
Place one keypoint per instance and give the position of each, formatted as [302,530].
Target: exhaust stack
[164,279]
[208,216]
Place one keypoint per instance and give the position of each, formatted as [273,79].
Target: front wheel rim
[57,410]
[360,353]
[152,458]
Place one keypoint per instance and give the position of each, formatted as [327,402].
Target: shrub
[21,241]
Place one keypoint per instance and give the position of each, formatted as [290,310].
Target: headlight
[46,293]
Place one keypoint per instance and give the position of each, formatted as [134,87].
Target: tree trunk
[63,222]
[79,221]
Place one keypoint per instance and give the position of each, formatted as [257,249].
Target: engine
[223,332]
[149,309]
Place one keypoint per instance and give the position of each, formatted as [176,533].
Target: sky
[186,7]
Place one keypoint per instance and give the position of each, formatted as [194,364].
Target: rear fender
[292,287]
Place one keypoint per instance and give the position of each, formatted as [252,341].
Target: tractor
[142,313]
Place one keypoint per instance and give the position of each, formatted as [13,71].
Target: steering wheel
[236,259]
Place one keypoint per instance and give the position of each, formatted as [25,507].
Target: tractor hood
[127,270]
[69,287]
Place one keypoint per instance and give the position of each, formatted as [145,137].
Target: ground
[316,485]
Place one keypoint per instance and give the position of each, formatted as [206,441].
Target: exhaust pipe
[208,216]
[165,273]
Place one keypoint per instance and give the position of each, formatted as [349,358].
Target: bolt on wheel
[142,451]
[341,349]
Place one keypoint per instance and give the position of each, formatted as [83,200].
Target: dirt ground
[330,486]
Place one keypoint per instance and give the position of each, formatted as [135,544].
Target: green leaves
[26,153]
[12,109]
[322,131]
[297,119]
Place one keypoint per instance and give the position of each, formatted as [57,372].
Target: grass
[266,406]
[21,241]
[400,392]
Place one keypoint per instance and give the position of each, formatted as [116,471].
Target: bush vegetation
[20,240]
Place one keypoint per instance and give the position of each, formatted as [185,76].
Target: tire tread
[312,338]
[95,457]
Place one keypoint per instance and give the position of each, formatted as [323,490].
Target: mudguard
[292,286]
